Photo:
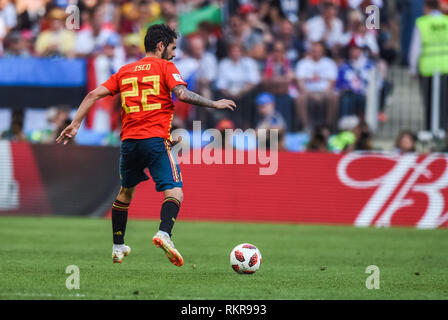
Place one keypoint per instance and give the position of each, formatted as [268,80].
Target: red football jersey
[145,87]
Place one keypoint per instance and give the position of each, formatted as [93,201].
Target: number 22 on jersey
[134,92]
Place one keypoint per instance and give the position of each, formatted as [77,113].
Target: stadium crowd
[296,66]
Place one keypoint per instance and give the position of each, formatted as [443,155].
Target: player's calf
[168,214]
[119,221]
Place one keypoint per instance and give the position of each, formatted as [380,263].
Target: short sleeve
[112,84]
[301,70]
[173,77]
[253,75]
[332,70]
[221,82]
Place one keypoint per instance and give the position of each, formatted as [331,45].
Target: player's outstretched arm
[183,94]
[72,129]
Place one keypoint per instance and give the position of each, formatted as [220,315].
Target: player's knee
[175,193]
[126,194]
[179,195]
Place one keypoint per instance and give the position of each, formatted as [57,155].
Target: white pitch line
[21,294]
[79,295]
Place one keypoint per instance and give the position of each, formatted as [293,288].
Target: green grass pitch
[299,261]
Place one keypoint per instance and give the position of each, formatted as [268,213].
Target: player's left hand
[224,104]
[68,133]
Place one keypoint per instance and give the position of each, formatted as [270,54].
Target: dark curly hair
[157,33]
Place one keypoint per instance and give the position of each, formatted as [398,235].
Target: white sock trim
[165,233]
[118,247]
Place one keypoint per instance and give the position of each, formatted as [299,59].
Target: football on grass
[245,258]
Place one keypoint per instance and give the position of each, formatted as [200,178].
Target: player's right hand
[225,104]
[68,133]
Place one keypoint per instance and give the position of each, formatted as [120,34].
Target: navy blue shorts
[153,153]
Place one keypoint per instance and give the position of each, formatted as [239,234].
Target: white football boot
[162,241]
[119,253]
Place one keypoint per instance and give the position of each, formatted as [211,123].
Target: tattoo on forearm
[185,95]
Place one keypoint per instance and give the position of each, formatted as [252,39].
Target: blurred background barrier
[362,189]
[54,180]
[40,82]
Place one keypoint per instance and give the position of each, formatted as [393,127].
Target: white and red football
[245,258]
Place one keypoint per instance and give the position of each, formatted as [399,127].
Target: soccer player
[147,111]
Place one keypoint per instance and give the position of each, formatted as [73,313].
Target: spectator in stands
[27,39]
[240,31]
[139,15]
[213,42]
[326,27]
[277,78]
[94,33]
[253,18]
[356,30]
[319,139]
[57,118]
[367,39]
[15,45]
[29,15]
[354,135]
[269,117]
[57,40]
[429,53]
[316,76]
[45,133]
[238,77]
[111,12]
[199,64]
[199,68]
[168,10]
[130,18]
[8,14]
[353,80]
[363,137]
[258,50]
[406,142]
[345,140]
[153,12]
[294,45]
[15,133]
[270,13]
[106,62]
[132,48]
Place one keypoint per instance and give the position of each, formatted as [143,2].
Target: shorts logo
[177,77]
